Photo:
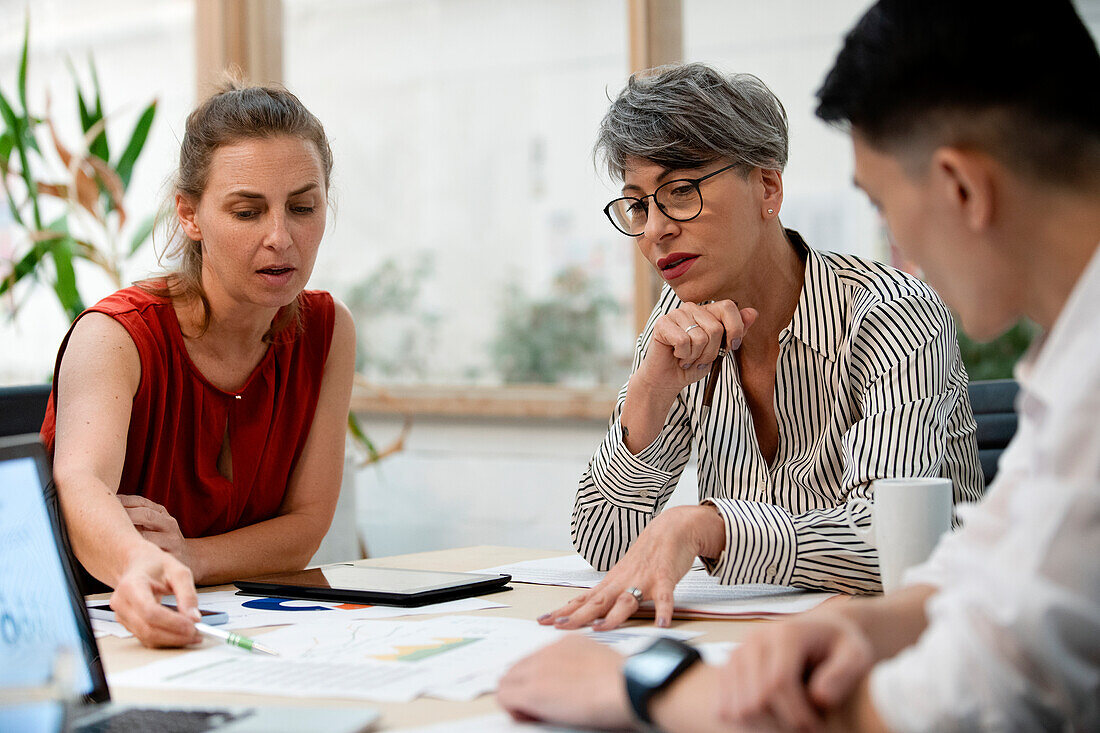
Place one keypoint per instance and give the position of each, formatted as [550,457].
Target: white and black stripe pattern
[869,384]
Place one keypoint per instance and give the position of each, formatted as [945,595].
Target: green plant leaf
[60,224]
[7,141]
[86,120]
[99,145]
[16,123]
[13,207]
[145,228]
[360,436]
[125,165]
[65,285]
[22,88]
[12,120]
[26,265]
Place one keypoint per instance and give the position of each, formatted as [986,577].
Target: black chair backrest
[994,403]
[22,408]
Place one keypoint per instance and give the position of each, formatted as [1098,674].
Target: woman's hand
[149,575]
[575,681]
[654,564]
[686,341]
[156,525]
[684,344]
[787,675]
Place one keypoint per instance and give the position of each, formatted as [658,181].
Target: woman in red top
[197,421]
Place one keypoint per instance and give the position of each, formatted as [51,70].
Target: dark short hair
[689,115]
[1017,79]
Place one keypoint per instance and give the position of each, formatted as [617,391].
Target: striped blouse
[869,384]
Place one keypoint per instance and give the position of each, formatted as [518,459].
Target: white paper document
[568,570]
[452,657]
[698,594]
[716,653]
[494,723]
[101,628]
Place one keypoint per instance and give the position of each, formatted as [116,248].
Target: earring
[771,211]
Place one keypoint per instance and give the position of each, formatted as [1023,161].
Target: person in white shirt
[976,132]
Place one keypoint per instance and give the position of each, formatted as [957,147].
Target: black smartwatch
[654,669]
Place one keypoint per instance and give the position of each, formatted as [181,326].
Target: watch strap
[640,691]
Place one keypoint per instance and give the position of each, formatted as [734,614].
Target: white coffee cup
[908,517]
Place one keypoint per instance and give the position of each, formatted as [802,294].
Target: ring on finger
[694,325]
[636,593]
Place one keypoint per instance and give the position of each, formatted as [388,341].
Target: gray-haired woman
[834,370]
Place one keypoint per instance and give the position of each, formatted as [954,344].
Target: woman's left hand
[575,681]
[156,525]
[656,561]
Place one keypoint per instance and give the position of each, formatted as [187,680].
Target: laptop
[43,617]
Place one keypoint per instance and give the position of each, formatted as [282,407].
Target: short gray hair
[689,115]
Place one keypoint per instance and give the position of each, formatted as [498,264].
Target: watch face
[653,666]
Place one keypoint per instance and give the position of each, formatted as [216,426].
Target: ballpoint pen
[236,640]
[712,379]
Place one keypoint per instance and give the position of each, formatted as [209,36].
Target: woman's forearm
[644,413]
[101,533]
[283,543]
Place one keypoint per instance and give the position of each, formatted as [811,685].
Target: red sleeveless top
[179,420]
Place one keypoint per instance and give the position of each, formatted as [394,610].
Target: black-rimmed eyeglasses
[679,200]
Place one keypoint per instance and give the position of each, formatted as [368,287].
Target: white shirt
[869,384]
[1013,636]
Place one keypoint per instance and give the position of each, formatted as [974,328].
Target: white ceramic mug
[908,517]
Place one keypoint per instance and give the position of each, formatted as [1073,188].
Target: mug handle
[865,534]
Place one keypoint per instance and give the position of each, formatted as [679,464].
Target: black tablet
[377,586]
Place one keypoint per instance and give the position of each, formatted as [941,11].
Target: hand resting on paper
[655,562]
[575,681]
[579,682]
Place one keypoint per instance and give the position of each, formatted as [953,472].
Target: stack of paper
[697,595]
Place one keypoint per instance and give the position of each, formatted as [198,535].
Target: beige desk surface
[525,601]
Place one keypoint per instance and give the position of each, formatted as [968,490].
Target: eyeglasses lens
[678,200]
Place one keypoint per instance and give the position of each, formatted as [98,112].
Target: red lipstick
[675,264]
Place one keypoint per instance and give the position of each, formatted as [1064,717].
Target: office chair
[22,408]
[994,404]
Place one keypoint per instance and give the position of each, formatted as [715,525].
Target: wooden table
[525,601]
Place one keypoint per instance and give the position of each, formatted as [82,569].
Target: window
[142,51]
[468,226]
[790,45]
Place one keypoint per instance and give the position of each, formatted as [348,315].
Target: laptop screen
[39,611]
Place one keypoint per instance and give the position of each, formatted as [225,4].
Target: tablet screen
[378,580]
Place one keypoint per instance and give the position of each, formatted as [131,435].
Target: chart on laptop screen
[36,616]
